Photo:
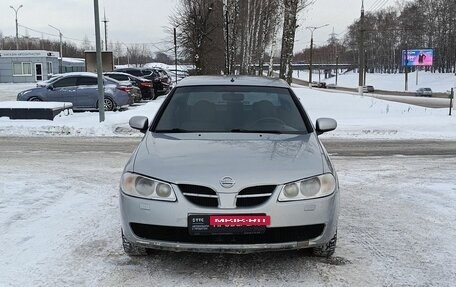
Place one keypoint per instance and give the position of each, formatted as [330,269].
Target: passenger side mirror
[50,87]
[140,123]
[325,125]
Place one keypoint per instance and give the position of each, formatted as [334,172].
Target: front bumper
[163,225]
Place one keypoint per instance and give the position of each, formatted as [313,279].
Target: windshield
[231,109]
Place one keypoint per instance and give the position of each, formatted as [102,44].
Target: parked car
[424,92]
[151,74]
[318,85]
[162,83]
[179,73]
[368,89]
[145,85]
[314,84]
[81,89]
[230,165]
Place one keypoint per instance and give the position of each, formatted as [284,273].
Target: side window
[115,76]
[135,72]
[87,81]
[65,82]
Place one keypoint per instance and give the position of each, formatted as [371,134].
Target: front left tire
[131,249]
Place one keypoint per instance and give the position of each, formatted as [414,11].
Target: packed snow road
[60,222]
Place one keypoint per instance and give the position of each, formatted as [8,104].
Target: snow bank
[357,117]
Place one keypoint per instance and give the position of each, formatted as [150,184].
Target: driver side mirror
[50,87]
[324,125]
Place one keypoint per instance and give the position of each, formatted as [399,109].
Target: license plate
[204,224]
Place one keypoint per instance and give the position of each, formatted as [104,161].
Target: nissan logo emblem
[227,182]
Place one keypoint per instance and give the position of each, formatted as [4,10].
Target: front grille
[199,195]
[255,195]
[271,235]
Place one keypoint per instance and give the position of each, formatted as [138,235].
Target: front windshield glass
[231,109]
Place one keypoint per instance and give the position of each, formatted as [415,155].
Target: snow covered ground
[60,223]
[60,226]
[357,117]
[438,82]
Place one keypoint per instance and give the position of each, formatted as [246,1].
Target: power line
[380,5]
[374,4]
[383,5]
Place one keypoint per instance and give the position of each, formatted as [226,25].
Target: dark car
[368,89]
[81,89]
[318,85]
[161,80]
[145,85]
[151,74]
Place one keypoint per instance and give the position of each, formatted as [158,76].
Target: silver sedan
[230,165]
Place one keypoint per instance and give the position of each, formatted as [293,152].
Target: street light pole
[361,52]
[175,55]
[312,30]
[61,49]
[101,99]
[17,26]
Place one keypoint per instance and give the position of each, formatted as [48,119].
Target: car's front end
[33,93]
[173,208]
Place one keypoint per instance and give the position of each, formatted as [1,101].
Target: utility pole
[312,30]
[17,26]
[61,49]
[105,21]
[361,52]
[227,58]
[175,55]
[406,66]
[337,67]
[101,110]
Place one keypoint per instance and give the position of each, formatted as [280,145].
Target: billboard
[418,57]
[107,61]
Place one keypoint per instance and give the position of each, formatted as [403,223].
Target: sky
[145,21]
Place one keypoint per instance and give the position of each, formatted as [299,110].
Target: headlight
[144,187]
[313,187]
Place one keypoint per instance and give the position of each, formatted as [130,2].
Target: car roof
[118,73]
[232,80]
[78,74]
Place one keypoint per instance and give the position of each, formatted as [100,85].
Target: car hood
[249,159]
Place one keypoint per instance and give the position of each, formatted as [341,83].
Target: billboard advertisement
[418,57]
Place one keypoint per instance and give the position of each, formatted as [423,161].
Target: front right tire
[327,249]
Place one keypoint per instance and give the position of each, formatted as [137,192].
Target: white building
[27,66]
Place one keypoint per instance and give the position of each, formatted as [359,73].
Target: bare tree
[290,11]
[200,34]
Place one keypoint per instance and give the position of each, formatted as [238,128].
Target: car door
[87,92]
[62,90]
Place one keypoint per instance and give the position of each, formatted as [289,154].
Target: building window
[50,70]
[22,69]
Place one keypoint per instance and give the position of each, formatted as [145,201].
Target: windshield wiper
[256,131]
[175,130]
